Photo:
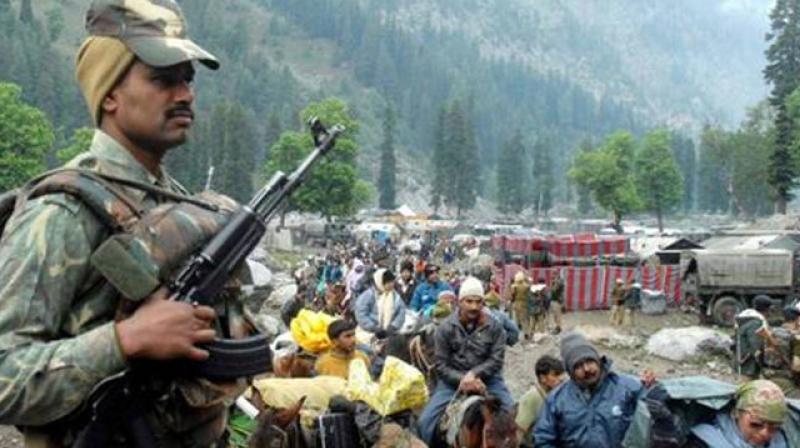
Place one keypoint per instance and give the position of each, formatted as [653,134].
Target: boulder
[279,296]
[258,286]
[608,337]
[679,344]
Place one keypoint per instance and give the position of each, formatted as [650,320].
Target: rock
[680,344]
[270,326]
[258,287]
[608,336]
[278,297]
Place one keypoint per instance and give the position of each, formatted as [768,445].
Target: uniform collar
[116,160]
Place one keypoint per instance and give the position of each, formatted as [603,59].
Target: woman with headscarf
[380,310]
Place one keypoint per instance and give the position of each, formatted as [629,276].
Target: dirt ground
[627,357]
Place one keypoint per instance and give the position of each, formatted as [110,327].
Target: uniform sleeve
[45,373]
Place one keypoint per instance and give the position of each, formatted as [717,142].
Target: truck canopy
[762,268]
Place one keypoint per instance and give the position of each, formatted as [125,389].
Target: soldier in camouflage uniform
[59,337]
[755,421]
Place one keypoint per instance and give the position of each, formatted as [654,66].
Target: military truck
[721,283]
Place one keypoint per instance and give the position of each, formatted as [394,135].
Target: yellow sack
[281,393]
[284,392]
[401,387]
[310,331]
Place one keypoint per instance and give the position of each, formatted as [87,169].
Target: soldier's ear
[110,103]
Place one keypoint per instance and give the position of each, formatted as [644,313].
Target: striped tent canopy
[589,288]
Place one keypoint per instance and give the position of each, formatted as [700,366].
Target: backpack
[144,247]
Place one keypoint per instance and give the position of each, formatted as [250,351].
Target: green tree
[739,161]
[26,12]
[272,133]
[439,164]
[333,187]
[658,181]
[55,23]
[783,72]
[510,176]
[462,167]
[25,137]
[684,152]
[80,142]
[608,173]
[543,180]
[388,169]
[584,193]
[235,172]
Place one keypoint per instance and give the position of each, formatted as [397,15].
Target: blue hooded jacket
[571,419]
[426,296]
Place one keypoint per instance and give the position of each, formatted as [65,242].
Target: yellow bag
[284,392]
[310,331]
[401,387]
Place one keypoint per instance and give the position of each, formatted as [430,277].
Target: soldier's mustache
[180,111]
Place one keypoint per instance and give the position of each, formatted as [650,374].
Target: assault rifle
[118,401]
[204,277]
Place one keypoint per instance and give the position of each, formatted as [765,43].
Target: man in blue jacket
[594,408]
[427,294]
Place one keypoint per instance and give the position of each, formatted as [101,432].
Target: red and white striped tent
[566,247]
[589,288]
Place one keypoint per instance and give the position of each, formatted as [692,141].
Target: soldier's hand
[162,329]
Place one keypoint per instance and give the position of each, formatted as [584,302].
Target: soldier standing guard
[556,302]
[60,331]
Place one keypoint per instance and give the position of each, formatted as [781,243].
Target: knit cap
[471,287]
[575,349]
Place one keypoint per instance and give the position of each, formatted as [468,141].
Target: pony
[484,424]
[276,428]
[415,345]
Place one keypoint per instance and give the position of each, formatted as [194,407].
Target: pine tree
[271,135]
[542,177]
[26,12]
[683,151]
[462,167]
[510,176]
[388,169]
[584,193]
[438,162]
[783,72]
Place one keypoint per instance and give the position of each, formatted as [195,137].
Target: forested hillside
[555,73]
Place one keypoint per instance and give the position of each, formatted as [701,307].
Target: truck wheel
[725,310]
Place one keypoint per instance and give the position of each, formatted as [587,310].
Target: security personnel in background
[59,337]
[752,331]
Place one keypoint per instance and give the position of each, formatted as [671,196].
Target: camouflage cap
[153,29]
[762,398]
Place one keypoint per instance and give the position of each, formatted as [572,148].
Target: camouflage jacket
[57,337]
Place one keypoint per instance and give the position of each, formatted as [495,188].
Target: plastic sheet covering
[401,387]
